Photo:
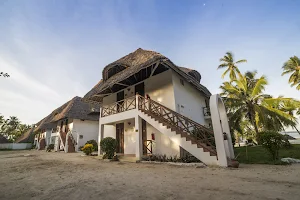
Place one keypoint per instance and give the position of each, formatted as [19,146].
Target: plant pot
[234,164]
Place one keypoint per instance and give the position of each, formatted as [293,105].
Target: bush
[94,143]
[108,145]
[286,144]
[272,141]
[164,158]
[87,149]
[50,147]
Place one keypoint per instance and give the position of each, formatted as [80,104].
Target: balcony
[119,106]
[206,113]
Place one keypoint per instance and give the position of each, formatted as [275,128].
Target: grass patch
[259,155]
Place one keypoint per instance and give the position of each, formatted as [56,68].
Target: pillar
[100,137]
[138,136]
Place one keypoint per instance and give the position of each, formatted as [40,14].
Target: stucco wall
[160,89]
[162,144]
[129,137]
[189,101]
[109,131]
[48,136]
[88,129]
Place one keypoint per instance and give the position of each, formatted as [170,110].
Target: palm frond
[241,61]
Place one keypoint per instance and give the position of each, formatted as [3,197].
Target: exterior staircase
[190,135]
[62,136]
[71,142]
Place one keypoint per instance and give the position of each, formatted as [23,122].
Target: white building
[174,120]
[69,127]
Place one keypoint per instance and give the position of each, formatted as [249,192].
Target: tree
[245,100]
[292,66]
[12,128]
[291,107]
[4,74]
[229,63]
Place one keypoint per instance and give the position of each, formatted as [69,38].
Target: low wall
[16,146]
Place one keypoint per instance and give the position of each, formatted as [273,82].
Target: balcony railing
[119,106]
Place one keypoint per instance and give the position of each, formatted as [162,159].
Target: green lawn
[258,155]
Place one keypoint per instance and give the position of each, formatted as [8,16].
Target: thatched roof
[135,62]
[3,139]
[89,96]
[75,109]
[28,136]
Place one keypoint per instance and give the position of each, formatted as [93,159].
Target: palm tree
[291,107]
[292,66]
[244,99]
[231,65]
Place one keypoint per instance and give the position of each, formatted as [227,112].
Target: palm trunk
[253,122]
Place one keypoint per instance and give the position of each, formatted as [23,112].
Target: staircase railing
[72,136]
[148,145]
[62,137]
[179,122]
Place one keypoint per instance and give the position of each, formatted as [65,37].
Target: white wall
[162,143]
[190,98]
[158,87]
[16,146]
[129,137]
[48,136]
[88,129]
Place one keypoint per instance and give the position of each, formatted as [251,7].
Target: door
[120,100]
[120,137]
[140,89]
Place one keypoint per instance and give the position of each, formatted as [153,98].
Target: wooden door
[140,89]
[120,100]
[120,137]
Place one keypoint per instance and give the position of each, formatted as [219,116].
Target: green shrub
[108,145]
[164,158]
[94,143]
[272,141]
[286,144]
[50,147]
[87,149]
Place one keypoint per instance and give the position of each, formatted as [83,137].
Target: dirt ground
[42,175]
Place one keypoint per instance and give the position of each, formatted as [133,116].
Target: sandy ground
[71,176]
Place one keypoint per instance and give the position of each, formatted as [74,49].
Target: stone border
[197,165]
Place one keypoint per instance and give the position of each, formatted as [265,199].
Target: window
[182,82]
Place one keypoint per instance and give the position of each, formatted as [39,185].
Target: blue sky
[55,50]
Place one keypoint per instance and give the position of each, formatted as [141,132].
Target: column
[100,136]
[138,136]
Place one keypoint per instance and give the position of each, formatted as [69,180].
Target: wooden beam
[122,84]
[97,95]
[154,69]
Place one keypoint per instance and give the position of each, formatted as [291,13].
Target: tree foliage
[292,66]
[272,141]
[246,102]
[12,128]
[230,65]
